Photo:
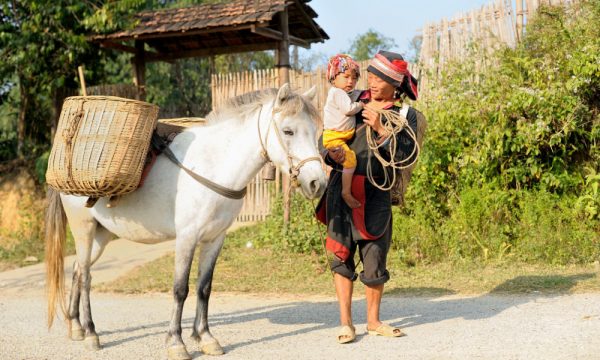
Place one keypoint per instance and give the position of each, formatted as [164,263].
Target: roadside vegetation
[510,170]
[268,268]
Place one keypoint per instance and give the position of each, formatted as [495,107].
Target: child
[339,121]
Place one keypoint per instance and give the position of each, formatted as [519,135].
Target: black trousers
[373,255]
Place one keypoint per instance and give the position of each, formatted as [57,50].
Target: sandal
[346,334]
[386,330]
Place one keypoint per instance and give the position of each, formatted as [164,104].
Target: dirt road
[258,327]
[262,327]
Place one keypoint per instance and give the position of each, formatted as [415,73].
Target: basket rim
[111,98]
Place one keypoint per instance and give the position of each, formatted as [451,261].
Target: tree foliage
[511,160]
[42,43]
[366,45]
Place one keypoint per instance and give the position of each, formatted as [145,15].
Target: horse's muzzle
[315,188]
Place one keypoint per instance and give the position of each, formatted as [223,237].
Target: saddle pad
[167,132]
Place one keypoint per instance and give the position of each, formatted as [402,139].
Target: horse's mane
[243,106]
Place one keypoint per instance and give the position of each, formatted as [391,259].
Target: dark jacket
[372,218]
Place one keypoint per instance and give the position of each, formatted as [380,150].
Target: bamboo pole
[82,80]
[520,19]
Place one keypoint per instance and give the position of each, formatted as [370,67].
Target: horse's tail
[56,228]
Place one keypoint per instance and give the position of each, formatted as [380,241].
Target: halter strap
[294,170]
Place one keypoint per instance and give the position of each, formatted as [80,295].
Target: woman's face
[380,90]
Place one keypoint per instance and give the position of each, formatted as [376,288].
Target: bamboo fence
[257,203]
[225,86]
[500,23]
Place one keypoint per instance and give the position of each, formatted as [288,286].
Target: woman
[368,227]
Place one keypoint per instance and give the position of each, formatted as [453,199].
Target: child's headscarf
[341,63]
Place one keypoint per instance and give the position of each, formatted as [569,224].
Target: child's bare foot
[350,200]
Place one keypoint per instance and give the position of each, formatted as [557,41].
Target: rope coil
[396,122]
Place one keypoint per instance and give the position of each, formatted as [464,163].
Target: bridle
[294,171]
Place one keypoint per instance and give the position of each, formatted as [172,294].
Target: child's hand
[337,154]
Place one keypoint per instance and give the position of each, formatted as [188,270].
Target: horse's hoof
[92,343]
[178,352]
[77,333]
[212,348]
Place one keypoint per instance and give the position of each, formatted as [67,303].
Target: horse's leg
[184,254]
[206,266]
[84,228]
[101,238]
[75,329]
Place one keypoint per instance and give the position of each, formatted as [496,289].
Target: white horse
[237,141]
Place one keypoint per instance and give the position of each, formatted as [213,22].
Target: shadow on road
[514,292]
[402,311]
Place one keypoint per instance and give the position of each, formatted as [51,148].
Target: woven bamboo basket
[100,145]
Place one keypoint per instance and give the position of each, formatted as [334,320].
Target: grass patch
[266,271]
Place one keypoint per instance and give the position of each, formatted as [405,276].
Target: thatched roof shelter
[221,28]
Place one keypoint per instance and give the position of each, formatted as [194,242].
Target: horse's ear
[284,92]
[311,93]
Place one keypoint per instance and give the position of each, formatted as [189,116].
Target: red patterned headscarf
[341,63]
[392,68]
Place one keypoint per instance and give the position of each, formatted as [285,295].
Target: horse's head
[291,139]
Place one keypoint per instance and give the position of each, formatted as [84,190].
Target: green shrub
[552,230]
[303,234]
[489,224]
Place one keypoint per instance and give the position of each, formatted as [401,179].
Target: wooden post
[139,65]
[519,13]
[296,63]
[21,118]
[283,53]
[283,65]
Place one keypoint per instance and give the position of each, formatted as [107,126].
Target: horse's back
[164,205]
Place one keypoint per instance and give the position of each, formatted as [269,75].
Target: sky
[400,20]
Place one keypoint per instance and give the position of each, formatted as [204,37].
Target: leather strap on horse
[159,143]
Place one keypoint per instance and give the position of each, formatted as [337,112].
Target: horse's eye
[288,132]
